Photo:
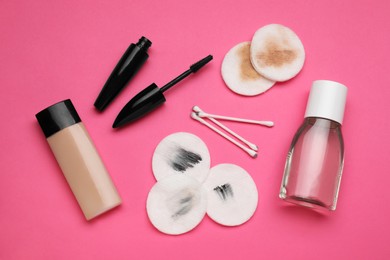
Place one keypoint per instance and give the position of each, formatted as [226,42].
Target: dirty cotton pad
[181,153]
[231,195]
[276,52]
[176,204]
[239,74]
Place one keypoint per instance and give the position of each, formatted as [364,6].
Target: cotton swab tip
[253,146]
[196,109]
[268,123]
[252,153]
[195,116]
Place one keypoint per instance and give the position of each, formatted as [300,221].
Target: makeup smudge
[277,53]
[224,191]
[184,208]
[184,159]
[247,72]
[182,203]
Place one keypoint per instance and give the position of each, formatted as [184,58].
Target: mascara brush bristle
[196,66]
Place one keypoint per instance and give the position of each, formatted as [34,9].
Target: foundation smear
[247,72]
[276,54]
[240,75]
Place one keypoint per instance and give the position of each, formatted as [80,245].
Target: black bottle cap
[57,117]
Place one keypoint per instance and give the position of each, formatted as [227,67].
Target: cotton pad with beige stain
[239,75]
[276,52]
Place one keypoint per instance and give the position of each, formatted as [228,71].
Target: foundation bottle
[315,159]
[78,159]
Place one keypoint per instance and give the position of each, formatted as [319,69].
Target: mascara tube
[131,61]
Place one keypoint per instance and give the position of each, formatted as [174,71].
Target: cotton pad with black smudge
[239,74]
[276,52]
[181,153]
[232,195]
[176,204]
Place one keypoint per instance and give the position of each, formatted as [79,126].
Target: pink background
[54,50]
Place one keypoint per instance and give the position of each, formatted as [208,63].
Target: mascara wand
[152,97]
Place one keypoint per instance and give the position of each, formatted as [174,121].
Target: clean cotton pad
[181,153]
[176,204]
[276,52]
[239,74]
[231,195]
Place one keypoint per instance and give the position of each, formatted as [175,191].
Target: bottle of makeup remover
[315,160]
[79,161]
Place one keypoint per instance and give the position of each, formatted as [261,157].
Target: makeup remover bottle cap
[327,100]
[57,117]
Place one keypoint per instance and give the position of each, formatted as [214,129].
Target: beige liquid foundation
[78,159]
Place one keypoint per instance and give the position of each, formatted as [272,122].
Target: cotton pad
[239,74]
[176,204]
[276,52]
[181,153]
[231,195]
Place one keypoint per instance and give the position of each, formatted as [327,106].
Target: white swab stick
[252,146]
[203,114]
[201,120]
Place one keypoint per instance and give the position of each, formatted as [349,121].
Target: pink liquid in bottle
[314,165]
[315,159]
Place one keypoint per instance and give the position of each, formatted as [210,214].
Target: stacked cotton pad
[275,54]
[187,188]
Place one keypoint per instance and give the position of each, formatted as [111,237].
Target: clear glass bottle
[315,159]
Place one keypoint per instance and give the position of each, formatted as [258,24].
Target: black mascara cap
[130,63]
[57,117]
